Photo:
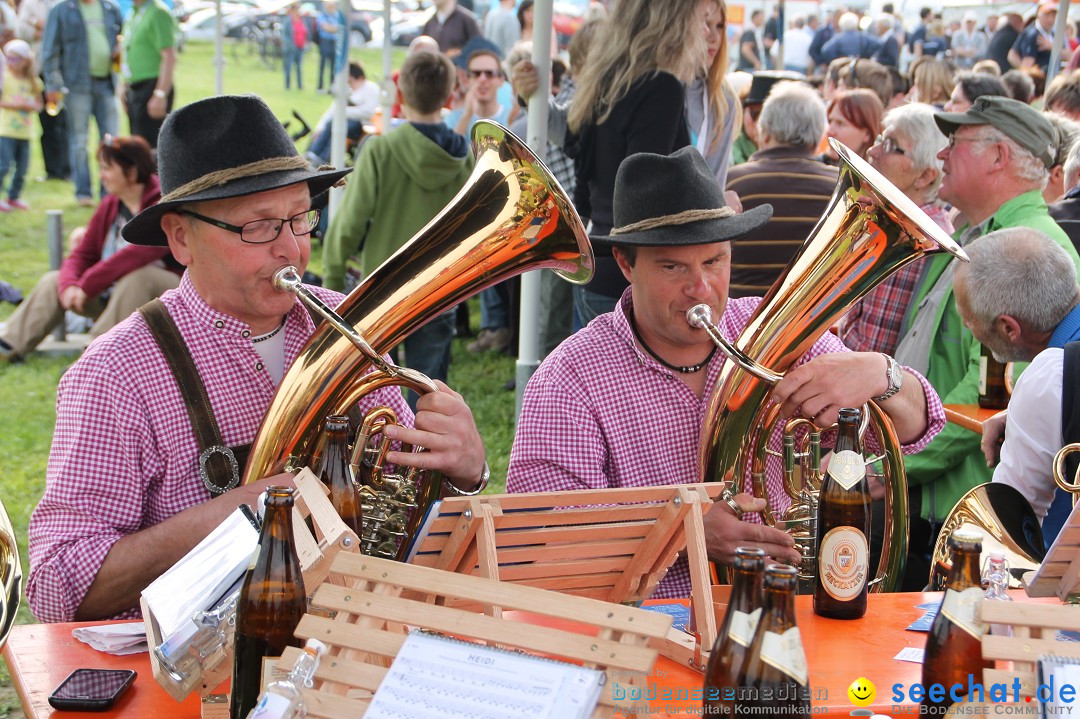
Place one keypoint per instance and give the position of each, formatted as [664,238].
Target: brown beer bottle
[992,391]
[271,602]
[736,632]
[843,527]
[774,679]
[333,470]
[954,646]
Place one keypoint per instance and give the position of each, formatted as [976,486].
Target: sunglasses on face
[489,74]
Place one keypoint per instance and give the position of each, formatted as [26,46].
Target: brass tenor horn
[511,216]
[868,231]
[11,575]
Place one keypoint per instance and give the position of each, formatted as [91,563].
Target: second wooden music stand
[609,544]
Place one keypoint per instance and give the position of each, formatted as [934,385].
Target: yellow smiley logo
[861,692]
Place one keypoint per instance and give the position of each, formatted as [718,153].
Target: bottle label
[272,706]
[843,559]
[983,371]
[847,468]
[743,626]
[785,652]
[959,608]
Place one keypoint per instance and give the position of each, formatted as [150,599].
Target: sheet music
[1056,671]
[437,677]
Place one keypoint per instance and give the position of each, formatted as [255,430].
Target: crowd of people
[698,185]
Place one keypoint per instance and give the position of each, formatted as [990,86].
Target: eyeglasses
[489,74]
[259,232]
[953,139]
[888,145]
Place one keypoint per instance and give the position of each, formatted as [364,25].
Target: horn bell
[511,216]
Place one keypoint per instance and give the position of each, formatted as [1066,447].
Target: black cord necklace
[268,335]
[683,369]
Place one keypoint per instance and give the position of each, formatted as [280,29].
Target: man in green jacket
[402,180]
[995,166]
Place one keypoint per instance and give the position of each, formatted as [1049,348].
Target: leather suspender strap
[219,468]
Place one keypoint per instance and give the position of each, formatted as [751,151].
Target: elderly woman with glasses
[906,154]
[104,278]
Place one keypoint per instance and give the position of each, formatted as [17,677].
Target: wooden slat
[557,551]
[348,636]
[562,569]
[1031,615]
[667,524]
[1028,680]
[477,626]
[535,500]
[338,670]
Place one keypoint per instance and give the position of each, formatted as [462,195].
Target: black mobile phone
[93,690]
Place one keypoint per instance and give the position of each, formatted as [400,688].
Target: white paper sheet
[198,580]
[437,677]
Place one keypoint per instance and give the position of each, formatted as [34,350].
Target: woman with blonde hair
[630,98]
[932,82]
[712,108]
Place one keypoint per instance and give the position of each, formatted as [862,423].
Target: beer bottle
[954,645]
[736,632]
[992,391]
[272,600]
[774,680]
[284,698]
[333,470]
[843,527]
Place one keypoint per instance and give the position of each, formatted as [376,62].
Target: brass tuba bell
[868,231]
[510,217]
[11,576]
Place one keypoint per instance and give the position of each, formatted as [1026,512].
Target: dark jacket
[65,55]
[84,266]
[650,118]
[1000,44]
[1067,213]
[798,186]
[459,28]
[851,43]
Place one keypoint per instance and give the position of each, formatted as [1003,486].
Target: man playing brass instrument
[123,497]
[621,403]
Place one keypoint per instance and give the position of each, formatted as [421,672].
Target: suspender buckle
[212,480]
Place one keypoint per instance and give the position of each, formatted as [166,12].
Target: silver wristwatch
[485,475]
[896,379]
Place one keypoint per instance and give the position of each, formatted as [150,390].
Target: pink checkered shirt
[601,413]
[873,324]
[124,456]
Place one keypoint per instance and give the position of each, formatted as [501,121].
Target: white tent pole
[387,67]
[339,124]
[219,50]
[529,325]
[1059,41]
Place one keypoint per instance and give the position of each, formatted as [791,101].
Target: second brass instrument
[869,230]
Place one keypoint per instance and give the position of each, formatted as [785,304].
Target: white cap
[316,646]
[970,15]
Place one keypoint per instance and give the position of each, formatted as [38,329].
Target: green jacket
[401,181]
[953,462]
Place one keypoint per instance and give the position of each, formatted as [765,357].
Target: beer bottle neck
[779,611]
[746,589]
[847,437]
[965,570]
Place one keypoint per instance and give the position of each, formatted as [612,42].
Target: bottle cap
[314,645]
[996,554]
[966,538]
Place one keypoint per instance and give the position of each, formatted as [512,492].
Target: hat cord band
[220,177]
[679,218]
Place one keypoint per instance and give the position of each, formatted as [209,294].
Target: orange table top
[40,656]
[838,652]
[970,416]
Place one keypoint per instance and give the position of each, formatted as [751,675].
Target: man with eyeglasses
[483,78]
[130,487]
[995,165]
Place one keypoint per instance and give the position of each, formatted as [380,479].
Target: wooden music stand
[316,552]
[1059,573]
[614,545]
[382,599]
[1034,630]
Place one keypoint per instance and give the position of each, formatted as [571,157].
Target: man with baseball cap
[191,376]
[995,166]
[621,402]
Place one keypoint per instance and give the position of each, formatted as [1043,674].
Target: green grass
[28,391]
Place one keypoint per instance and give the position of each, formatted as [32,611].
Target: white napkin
[126,638]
